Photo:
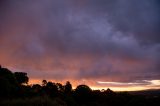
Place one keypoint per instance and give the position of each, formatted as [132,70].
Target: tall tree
[68,87]
[44,82]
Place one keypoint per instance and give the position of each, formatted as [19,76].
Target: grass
[36,101]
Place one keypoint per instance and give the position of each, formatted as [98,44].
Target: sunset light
[100,43]
[79,52]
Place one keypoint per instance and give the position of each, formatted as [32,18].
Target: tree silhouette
[5,88]
[83,93]
[51,89]
[7,74]
[109,92]
[83,89]
[44,82]
[36,88]
[21,77]
[68,87]
[60,87]
[7,82]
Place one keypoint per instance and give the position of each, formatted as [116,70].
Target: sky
[101,43]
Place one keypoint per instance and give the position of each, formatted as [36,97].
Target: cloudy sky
[101,43]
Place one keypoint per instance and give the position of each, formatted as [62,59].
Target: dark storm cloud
[90,39]
[134,16]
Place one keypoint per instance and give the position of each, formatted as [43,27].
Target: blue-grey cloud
[89,39]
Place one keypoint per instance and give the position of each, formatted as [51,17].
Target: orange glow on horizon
[98,87]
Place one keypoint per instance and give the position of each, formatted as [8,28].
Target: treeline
[14,90]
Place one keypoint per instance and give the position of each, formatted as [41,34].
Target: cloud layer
[83,39]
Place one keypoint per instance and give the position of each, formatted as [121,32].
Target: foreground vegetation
[14,91]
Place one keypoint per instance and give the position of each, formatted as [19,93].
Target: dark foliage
[14,91]
[21,77]
[68,87]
